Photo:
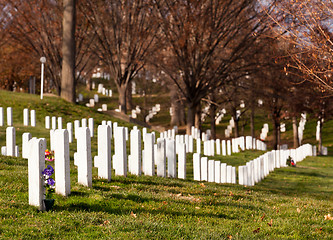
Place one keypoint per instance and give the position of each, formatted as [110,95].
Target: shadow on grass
[124,204]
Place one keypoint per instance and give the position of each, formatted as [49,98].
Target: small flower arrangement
[291,162]
[49,182]
[49,155]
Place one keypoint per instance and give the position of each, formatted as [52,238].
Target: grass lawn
[291,203]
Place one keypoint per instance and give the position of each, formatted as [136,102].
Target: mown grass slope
[291,203]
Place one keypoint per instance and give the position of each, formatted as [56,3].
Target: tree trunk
[191,109]
[276,142]
[176,104]
[212,121]
[295,132]
[129,103]
[68,52]
[122,98]
[252,120]
[197,119]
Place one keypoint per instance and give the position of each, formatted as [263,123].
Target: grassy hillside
[291,203]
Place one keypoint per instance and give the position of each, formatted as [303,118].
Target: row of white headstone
[153,154]
[212,147]
[219,116]
[228,130]
[264,131]
[155,109]
[25,117]
[256,170]
[212,171]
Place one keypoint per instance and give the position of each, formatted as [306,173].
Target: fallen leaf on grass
[270,223]
[262,218]
[197,207]
[328,217]
[229,237]
[202,185]
[256,230]
[298,210]
[179,194]
[231,194]
[133,214]
[116,187]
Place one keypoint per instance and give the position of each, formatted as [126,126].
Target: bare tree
[125,35]
[306,24]
[36,26]
[200,40]
[68,51]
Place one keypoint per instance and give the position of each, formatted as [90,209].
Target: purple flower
[50,182]
[48,171]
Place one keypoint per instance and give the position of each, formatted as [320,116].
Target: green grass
[294,200]
[289,204]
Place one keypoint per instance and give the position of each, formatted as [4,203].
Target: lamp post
[42,60]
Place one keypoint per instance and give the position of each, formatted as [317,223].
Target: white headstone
[211,171]
[149,163]
[135,157]
[160,157]
[171,156]
[47,122]
[91,103]
[25,147]
[233,175]
[96,98]
[10,141]
[198,140]
[59,122]
[241,175]
[212,147]
[82,158]
[33,118]
[224,149]
[196,167]
[104,107]
[84,122]
[217,172]
[80,97]
[223,172]
[70,132]
[9,116]
[36,165]
[218,146]
[182,161]
[103,160]
[61,163]
[204,169]
[120,157]
[76,127]
[91,126]
[26,117]
[229,174]
[54,123]
[229,147]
